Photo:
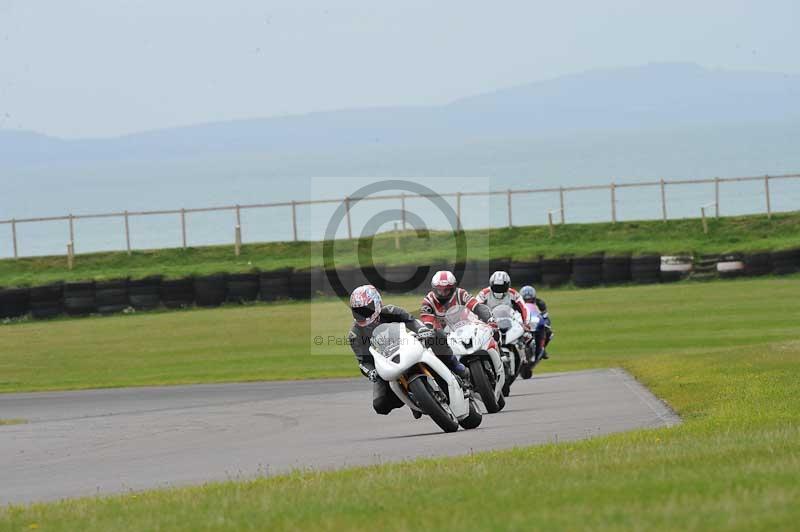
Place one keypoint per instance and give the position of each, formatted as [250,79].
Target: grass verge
[724,355]
[4,422]
[744,233]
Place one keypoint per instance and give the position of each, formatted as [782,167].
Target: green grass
[747,233]
[4,422]
[725,355]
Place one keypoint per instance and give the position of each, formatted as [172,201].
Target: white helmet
[499,283]
[444,285]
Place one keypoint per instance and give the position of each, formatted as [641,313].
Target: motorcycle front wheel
[423,395]
[483,386]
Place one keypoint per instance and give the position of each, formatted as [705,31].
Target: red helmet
[444,285]
[366,304]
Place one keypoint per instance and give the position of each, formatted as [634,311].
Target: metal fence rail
[510,193]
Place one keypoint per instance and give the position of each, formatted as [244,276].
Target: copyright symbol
[366,262]
[318,340]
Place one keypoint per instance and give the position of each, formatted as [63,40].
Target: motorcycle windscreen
[504,316]
[458,316]
[387,338]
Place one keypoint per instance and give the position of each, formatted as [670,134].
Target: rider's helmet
[444,285]
[499,283]
[528,294]
[365,302]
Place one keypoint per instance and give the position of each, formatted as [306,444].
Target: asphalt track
[107,441]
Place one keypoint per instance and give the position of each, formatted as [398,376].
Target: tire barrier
[47,301]
[145,294]
[675,267]
[705,267]
[730,266]
[14,302]
[525,272]
[210,290]
[242,287]
[587,271]
[404,279]
[274,285]
[757,264]
[646,269]
[470,279]
[786,261]
[616,269]
[300,284]
[79,298]
[500,264]
[177,293]
[111,296]
[556,272]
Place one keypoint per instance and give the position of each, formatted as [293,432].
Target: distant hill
[655,96]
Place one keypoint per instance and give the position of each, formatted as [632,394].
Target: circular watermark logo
[366,259]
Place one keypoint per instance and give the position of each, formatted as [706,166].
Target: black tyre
[46,301]
[177,293]
[556,272]
[501,402]
[14,302]
[526,371]
[79,298]
[646,269]
[423,395]
[786,261]
[242,287]
[483,386]
[111,296]
[587,271]
[274,285]
[300,285]
[474,419]
[525,272]
[211,290]
[145,294]
[756,264]
[616,270]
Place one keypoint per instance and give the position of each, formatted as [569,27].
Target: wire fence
[290,208]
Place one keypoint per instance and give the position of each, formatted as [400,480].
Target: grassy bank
[724,355]
[746,233]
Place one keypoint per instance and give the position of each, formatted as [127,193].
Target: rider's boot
[416,413]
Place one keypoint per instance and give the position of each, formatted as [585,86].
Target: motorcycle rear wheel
[423,395]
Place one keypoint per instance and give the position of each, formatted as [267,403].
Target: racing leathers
[432,311]
[384,399]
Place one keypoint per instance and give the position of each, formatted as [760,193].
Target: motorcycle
[421,380]
[512,348]
[533,354]
[472,342]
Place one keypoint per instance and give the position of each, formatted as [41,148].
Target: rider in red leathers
[446,294]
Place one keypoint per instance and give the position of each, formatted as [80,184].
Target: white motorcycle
[512,348]
[471,341]
[422,381]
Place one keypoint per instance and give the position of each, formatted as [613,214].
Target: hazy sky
[108,67]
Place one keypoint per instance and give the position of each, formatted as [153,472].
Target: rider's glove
[426,335]
[373,375]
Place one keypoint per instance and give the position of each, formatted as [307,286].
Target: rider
[528,294]
[369,312]
[445,294]
[499,292]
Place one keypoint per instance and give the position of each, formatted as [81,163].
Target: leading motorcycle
[421,380]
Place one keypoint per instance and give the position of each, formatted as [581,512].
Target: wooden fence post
[72,231]
[70,255]
[663,201]
[510,218]
[183,227]
[403,209]
[127,234]
[349,223]
[766,190]
[550,223]
[237,235]
[561,200]
[613,203]
[14,236]
[294,220]
[716,197]
[458,211]
[705,223]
